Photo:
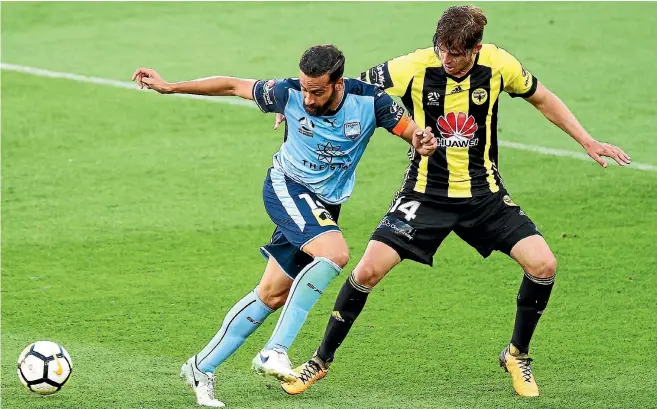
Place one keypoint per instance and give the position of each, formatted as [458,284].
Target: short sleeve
[393,75]
[518,82]
[271,95]
[389,114]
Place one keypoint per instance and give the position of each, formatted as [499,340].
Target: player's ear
[476,49]
[339,84]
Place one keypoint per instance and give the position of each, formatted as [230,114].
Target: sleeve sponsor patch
[380,76]
[389,114]
[268,92]
[271,95]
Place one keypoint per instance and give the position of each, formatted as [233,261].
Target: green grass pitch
[131,221]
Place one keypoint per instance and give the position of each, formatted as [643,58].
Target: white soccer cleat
[274,362]
[202,383]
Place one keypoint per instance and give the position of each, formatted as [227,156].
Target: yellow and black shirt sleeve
[518,82]
[393,75]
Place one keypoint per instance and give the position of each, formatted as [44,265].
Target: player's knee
[366,274]
[543,267]
[275,301]
[339,256]
[272,297]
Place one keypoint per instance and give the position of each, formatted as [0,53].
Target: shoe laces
[283,358]
[525,368]
[310,369]
[208,385]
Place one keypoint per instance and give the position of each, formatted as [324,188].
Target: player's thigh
[378,260]
[414,227]
[494,222]
[534,256]
[299,214]
[291,260]
[274,285]
[330,245]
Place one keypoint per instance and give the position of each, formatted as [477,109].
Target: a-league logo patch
[306,127]
[352,130]
[433,99]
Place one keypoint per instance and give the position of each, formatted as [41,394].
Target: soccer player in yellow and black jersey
[454,87]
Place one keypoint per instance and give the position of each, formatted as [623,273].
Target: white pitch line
[233,101]
[571,154]
[113,83]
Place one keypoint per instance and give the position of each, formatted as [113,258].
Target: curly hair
[323,59]
[460,28]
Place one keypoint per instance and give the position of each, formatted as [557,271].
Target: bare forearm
[213,86]
[422,140]
[408,133]
[558,113]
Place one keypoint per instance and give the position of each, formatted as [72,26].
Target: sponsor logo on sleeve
[397,111]
[526,76]
[268,91]
[380,76]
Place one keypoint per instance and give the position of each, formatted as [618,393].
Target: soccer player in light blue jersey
[330,120]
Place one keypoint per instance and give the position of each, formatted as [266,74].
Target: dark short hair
[460,28]
[323,59]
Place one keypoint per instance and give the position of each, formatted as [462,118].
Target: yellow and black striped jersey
[462,113]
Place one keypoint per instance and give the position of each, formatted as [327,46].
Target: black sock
[348,305]
[533,297]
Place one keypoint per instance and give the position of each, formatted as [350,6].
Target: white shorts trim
[280,188]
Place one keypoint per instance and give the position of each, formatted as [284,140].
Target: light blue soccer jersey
[321,152]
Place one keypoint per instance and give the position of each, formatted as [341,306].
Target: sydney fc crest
[352,130]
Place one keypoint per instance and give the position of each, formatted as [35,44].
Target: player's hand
[280,118]
[424,141]
[150,79]
[597,150]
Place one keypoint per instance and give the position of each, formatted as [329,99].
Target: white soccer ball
[44,367]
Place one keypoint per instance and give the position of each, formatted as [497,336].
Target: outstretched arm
[558,113]
[212,86]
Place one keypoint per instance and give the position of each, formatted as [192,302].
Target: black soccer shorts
[416,224]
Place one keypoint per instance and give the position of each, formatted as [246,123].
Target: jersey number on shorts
[322,215]
[409,208]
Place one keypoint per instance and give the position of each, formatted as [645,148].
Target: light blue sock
[306,290]
[240,322]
